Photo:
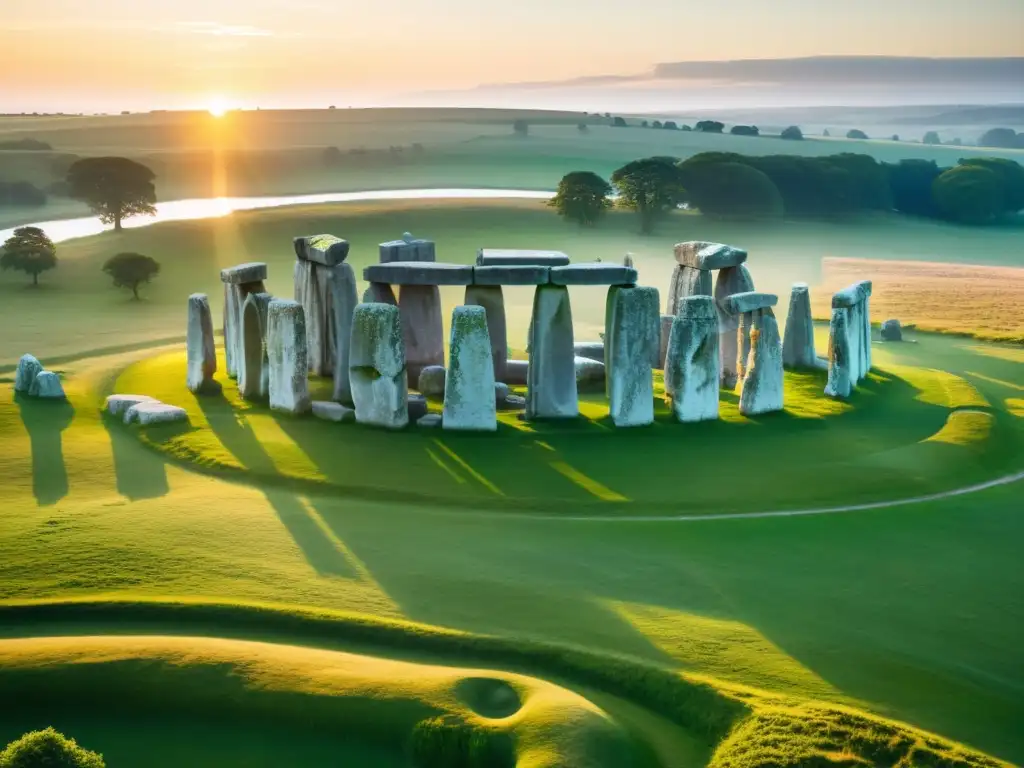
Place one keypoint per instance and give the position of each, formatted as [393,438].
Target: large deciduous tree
[114,187]
[29,250]
[130,270]
[970,195]
[582,197]
[650,187]
[1010,172]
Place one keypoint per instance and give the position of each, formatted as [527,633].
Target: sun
[217,107]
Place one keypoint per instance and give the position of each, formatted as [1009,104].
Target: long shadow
[240,440]
[139,474]
[45,420]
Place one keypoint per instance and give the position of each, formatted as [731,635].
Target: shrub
[970,194]
[48,749]
[656,124]
[685,127]
[744,130]
[447,741]
[793,133]
[856,134]
[644,124]
[731,189]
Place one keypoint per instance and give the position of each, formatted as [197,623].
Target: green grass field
[530,556]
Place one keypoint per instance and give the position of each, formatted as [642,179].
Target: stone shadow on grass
[45,420]
[139,473]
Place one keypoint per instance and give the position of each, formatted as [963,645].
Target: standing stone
[469,401]
[47,386]
[239,282]
[379,293]
[687,281]
[742,347]
[254,370]
[200,351]
[798,345]
[517,372]
[892,330]
[492,299]
[380,388]
[327,250]
[866,348]
[730,280]
[28,368]
[692,367]
[651,337]
[422,328]
[342,289]
[761,390]
[665,332]
[313,293]
[632,348]
[551,375]
[287,356]
[839,380]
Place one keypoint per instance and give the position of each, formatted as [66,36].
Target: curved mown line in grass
[745,727]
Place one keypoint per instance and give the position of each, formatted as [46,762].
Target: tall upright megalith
[551,377]
[798,343]
[200,352]
[239,282]
[254,368]
[288,379]
[849,339]
[422,327]
[695,261]
[761,390]
[839,382]
[318,258]
[731,280]
[631,349]
[691,364]
[380,389]
[469,401]
[344,299]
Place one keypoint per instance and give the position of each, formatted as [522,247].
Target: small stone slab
[749,301]
[593,274]
[331,411]
[47,386]
[511,274]
[431,381]
[419,273]
[708,256]
[321,249]
[154,413]
[430,421]
[516,372]
[507,257]
[593,350]
[251,272]
[28,368]
[513,403]
[501,391]
[852,294]
[408,248]
[892,330]
[116,405]
[588,371]
[417,407]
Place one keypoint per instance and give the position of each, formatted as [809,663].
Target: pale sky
[141,54]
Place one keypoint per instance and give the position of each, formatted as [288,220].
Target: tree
[932,137]
[685,127]
[969,195]
[130,270]
[731,189]
[856,133]
[670,125]
[744,130]
[650,187]
[583,128]
[29,250]
[910,182]
[582,197]
[793,133]
[619,122]
[710,126]
[331,156]
[1000,138]
[520,128]
[644,124]
[895,137]
[656,124]
[1012,175]
[114,187]
[824,133]
[50,749]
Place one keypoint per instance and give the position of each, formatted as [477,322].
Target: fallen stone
[116,405]
[892,330]
[200,352]
[153,412]
[431,381]
[517,372]
[750,301]
[798,343]
[327,250]
[342,289]
[691,366]
[331,411]
[730,280]
[511,274]
[551,375]
[417,405]
[419,273]
[592,350]
[377,366]
[47,386]
[702,255]
[254,365]
[28,368]
[469,401]
[633,341]
[500,256]
[593,274]
[513,403]
[686,281]
[380,293]
[287,357]
[501,391]
[408,248]
[430,421]
[422,328]
[839,381]
[852,294]
[492,299]
[252,272]
[590,374]
[761,390]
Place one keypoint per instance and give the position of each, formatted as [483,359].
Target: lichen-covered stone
[287,357]
[633,344]
[419,273]
[687,281]
[551,376]
[422,328]
[742,347]
[377,366]
[321,249]
[594,273]
[235,295]
[513,403]
[252,272]
[254,365]
[730,280]
[852,294]
[431,381]
[892,330]
[409,248]
[342,289]
[500,256]
[517,372]
[749,301]
[706,256]
[839,379]
[469,402]
[153,412]
[312,292]
[116,405]
[761,390]
[28,368]
[492,299]
[199,348]
[691,365]
[798,343]
[331,411]
[47,386]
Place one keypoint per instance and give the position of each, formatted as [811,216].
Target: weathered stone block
[492,299]
[47,386]
[377,366]
[551,375]
[252,272]
[327,250]
[199,347]
[287,357]
[153,412]
[892,330]
[852,294]
[798,343]
[380,293]
[28,368]
[342,289]
[331,411]
[313,293]
[750,301]
[761,390]
[431,381]
[469,402]
[687,281]
[632,345]
[840,382]
[419,273]
[408,248]
[517,372]
[702,255]
[593,274]
[116,405]
[422,328]
[501,256]
[511,274]
[234,301]
[691,365]
[254,367]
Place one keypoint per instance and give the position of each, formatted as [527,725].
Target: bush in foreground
[48,749]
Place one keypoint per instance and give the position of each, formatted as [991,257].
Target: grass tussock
[962,299]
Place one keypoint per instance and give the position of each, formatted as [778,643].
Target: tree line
[976,191]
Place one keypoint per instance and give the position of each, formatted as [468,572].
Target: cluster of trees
[333,156]
[26,145]
[977,191]
[21,193]
[1002,138]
